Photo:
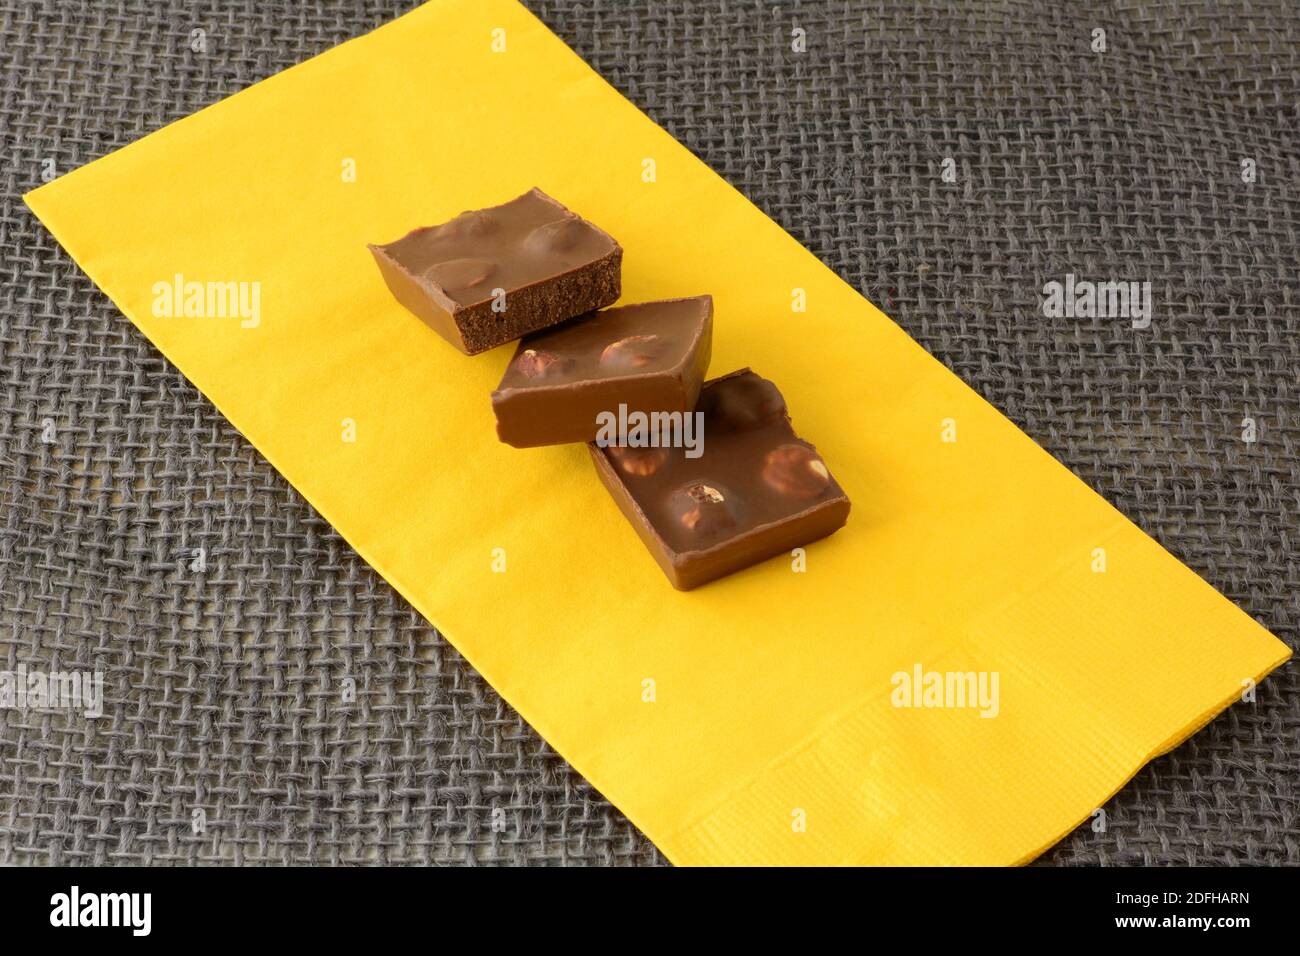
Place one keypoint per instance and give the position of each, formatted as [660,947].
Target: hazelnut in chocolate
[573,381]
[758,490]
[491,276]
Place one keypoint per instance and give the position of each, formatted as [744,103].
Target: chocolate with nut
[757,491]
[491,276]
[646,358]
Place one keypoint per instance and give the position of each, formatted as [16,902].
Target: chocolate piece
[647,358]
[491,276]
[758,490]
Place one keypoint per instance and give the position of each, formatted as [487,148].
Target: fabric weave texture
[836,119]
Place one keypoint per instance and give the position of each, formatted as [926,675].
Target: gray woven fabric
[1122,165]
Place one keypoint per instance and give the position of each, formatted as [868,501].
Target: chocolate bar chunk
[757,490]
[567,383]
[491,276]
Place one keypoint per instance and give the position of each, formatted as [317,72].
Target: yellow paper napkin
[759,719]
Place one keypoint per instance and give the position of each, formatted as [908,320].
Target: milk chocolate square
[569,382]
[493,275]
[758,490]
